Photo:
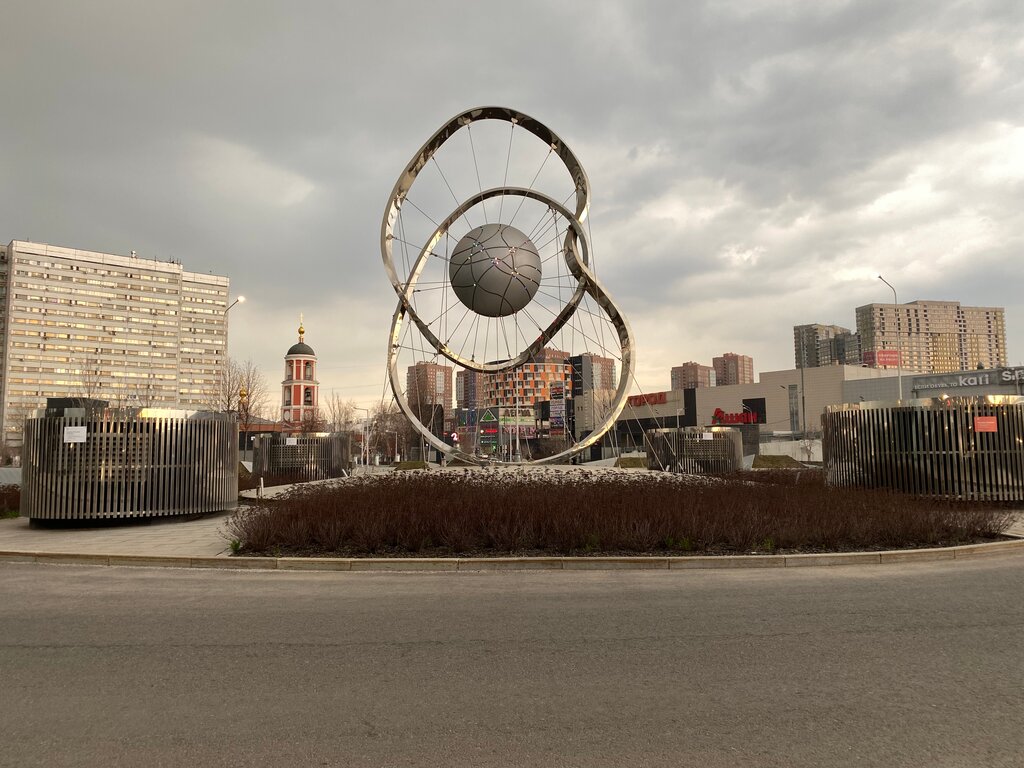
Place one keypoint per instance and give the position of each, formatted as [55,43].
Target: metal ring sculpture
[576,251]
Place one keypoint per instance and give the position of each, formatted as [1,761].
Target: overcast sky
[754,165]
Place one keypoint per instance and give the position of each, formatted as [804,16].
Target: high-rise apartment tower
[731,368]
[692,375]
[816,345]
[932,336]
[135,332]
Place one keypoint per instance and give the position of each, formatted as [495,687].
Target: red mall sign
[654,398]
[985,424]
[721,417]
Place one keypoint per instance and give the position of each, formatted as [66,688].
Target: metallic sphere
[495,270]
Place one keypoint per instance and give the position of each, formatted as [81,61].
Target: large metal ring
[576,252]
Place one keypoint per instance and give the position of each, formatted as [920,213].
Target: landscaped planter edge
[453,564]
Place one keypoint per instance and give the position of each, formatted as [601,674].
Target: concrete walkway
[160,538]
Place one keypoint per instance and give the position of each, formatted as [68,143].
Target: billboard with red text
[881,358]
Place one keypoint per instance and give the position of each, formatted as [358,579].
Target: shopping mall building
[790,403]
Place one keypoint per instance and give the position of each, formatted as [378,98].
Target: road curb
[472,564]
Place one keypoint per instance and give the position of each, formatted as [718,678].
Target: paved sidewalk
[166,538]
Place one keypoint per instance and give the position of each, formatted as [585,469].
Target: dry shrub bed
[502,512]
[10,500]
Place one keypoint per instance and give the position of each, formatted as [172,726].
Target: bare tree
[390,430]
[252,397]
[341,414]
[90,381]
[253,383]
[241,388]
[312,422]
[225,395]
[94,382]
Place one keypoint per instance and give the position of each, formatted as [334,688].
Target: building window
[307,397]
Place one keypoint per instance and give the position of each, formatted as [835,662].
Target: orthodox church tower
[300,386]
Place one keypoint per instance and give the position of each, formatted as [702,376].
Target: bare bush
[457,513]
[10,500]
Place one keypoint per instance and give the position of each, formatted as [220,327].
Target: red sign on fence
[985,424]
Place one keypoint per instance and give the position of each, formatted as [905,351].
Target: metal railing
[966,447]
[126,463]
[695,450]
[317,456]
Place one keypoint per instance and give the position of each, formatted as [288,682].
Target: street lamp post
[803,405]
[242,394]
[243,412]
[364,451]
[519,454]
[899,352]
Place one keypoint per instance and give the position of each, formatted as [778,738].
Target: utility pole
[803,404]
[518,449]
[899,352]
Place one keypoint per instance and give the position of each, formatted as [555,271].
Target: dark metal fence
[308,457]
[695,450]
[967,448]
[113,463]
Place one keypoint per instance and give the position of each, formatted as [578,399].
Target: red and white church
[300,386]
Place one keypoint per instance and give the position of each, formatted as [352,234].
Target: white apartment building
[135,332]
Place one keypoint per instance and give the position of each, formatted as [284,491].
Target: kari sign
[985,424]
[983,378]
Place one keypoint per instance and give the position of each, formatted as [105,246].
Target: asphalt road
[909,665]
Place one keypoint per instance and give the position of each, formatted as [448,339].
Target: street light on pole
[243,412]
[364,448]
[899,353]
[242,394]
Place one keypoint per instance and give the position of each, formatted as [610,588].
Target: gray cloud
[754,165]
